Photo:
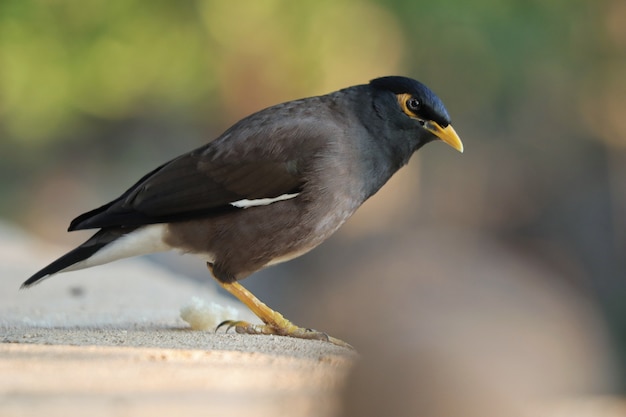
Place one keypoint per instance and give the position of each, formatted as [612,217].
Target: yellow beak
[448,135]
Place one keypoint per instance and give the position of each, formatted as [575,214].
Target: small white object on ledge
[203,315]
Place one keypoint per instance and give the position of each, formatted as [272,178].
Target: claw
[230,324]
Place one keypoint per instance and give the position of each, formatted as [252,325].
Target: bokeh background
[513,253]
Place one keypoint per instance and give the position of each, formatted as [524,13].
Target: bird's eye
[413,104]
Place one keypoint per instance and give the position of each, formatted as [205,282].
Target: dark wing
[193,185]
[263,156]
[244,163]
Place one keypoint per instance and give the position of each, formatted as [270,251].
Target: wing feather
[239,165]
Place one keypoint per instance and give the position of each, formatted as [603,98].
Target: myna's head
[417,107]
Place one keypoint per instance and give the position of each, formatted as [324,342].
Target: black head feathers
[432,106]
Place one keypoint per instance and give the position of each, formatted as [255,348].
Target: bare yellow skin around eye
[402,100]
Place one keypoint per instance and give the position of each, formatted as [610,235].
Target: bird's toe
[245,327]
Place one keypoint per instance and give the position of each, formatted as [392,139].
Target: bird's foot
[293,331]
[289,329]
[274,322]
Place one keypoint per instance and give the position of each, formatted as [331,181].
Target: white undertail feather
[142,241]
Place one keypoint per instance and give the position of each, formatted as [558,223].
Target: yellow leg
[275,323]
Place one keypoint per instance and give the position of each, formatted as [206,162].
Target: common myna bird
[271,188]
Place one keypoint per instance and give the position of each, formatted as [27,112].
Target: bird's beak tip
[448,135]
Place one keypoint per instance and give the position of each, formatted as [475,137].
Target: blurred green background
[94,94]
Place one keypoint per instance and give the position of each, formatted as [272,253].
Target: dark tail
[84,251]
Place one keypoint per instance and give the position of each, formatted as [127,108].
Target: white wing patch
[262,201]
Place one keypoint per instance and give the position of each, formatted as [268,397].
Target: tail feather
[81,253]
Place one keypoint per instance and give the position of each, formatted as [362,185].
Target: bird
[269,189]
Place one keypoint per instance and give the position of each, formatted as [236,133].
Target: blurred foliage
[93,94]
[63,62]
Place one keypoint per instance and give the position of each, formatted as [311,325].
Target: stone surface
[110,341]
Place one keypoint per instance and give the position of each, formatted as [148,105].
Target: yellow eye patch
[402,100]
